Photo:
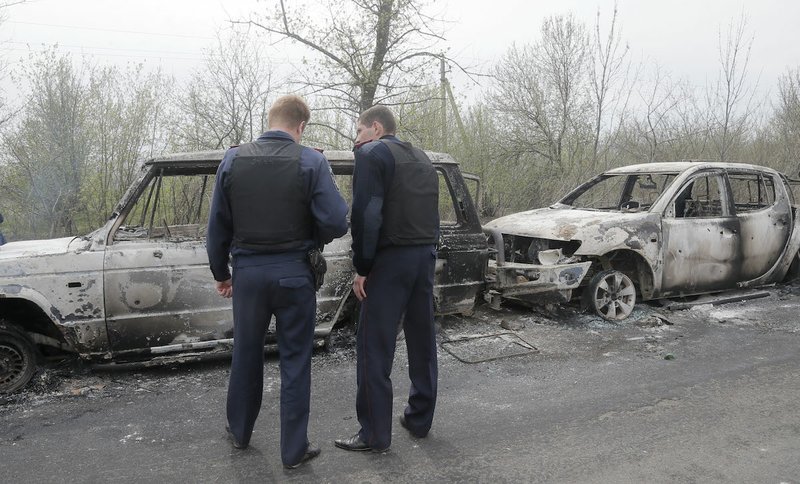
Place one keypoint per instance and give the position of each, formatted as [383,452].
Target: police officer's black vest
[270,209]
[411,206]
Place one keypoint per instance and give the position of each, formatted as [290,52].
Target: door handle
[158,254]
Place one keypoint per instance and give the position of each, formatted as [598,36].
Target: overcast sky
[681,35]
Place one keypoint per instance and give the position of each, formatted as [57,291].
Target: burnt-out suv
[139,288]
[650,231]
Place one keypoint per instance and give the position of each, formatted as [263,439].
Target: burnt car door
[765,219]
[158,288]
[333,295]
[462,252]
[702,240]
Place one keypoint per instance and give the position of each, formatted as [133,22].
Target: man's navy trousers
[399,282]
[263,286]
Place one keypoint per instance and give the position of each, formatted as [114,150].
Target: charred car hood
[555,223]
[34,248]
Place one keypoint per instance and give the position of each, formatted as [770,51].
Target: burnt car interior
[627,193]
[751,191]
[701,198]
[343,177]
[173,206]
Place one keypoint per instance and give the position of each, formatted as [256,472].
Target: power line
[109,30]
[195,59]
[156,53]
[109,48]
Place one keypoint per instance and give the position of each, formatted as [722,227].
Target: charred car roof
[681,166]
[215,156]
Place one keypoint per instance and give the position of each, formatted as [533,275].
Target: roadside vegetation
[571,102]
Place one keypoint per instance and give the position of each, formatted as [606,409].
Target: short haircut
[288,111]
[380,114]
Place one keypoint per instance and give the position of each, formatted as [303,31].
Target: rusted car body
[140,287]
[650,231]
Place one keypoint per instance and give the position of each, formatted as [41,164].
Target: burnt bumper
[515,279]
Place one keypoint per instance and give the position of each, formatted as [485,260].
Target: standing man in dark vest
[274,201]
[395,227]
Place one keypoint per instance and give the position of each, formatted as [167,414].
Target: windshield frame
[627,187]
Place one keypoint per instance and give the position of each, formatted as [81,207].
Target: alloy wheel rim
[615,296]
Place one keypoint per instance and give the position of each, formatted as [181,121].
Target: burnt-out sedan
[139,288]
[650,231]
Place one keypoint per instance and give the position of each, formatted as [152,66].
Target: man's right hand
[225,288]
[359,287]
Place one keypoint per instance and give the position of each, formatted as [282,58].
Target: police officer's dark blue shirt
[372,177]
[327,207]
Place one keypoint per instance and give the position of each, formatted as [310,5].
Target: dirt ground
[554,330]
[547,394]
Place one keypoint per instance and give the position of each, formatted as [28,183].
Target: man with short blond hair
[289,110]
[274,201]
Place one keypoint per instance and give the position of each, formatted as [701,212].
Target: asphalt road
[710,397]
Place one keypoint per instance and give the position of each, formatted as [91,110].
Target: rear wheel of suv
[611,294]
[17,358]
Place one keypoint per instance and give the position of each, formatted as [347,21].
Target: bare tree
[787,120]
[366,52]
[730,99]
[688,135]
[542,93]
[611,71]
[129,122]
[5,113]
[226,102]
[650,130]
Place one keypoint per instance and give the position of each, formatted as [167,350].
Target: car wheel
[17,358]
[612,295]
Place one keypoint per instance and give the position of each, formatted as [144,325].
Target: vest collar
[275,133]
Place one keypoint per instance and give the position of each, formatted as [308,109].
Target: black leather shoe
[311,452]
[233,440]
[355,444]
[404,424]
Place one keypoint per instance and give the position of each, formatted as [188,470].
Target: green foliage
[73,150]
[556,112]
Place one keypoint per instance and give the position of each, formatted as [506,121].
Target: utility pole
[457,116]
[443,95]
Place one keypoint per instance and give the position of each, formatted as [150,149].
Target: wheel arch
[30,317]
[633,265]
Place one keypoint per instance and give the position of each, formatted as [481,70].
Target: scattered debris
[512,325]
[653,320]
[717,299]
[481,348]
[86,390]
